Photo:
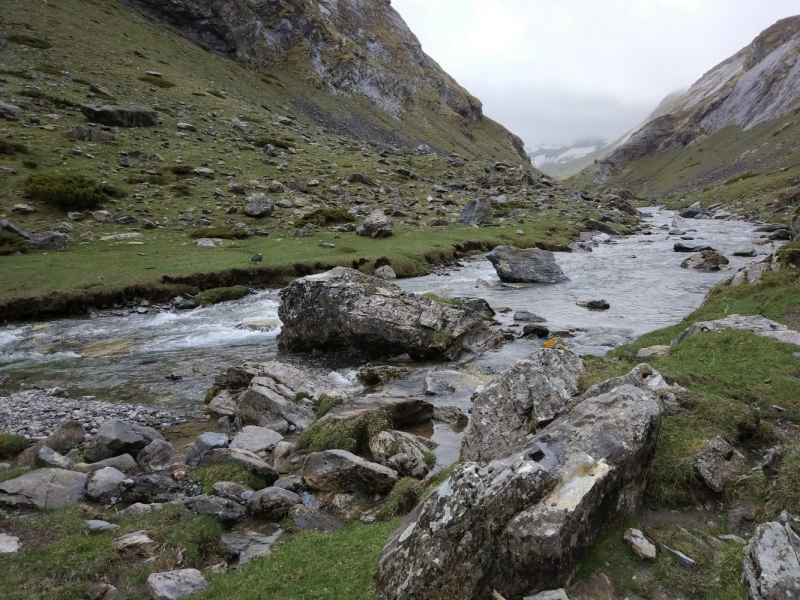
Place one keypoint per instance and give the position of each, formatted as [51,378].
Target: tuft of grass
[408,492]
[351,434]
[11,445]
[430,459]
[208,476]
[329,566]
[786,495]
[326,404]
[218,295]
[11,243]
[157,81]
[325,216]
[29,40]
[279,140]
[12,474]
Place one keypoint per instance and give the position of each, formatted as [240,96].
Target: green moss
[11,445]
[208,476]
[351,434]
[68,191]
[218,295]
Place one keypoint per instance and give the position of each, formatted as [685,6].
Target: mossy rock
[224,294]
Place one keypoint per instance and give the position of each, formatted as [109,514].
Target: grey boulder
[158,455]
[149,488]
[522,524]
[121,116]
[123,462]
[258,206]
[339,470]
[47,457]
[532,265]
[758,325]
[224,510]
[203,446]
[116,437]
[477,212]
[272,503]
[313,519]
[66,436]
[772,560]
[377,225]
[256,439]
[530,393]
[50,240]
[246,459]
[103,485]
[44,489]
[719,464]
[172,585]
[707,260]
[249,547]
[343,308]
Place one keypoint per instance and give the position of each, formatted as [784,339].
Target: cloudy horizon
[579,69]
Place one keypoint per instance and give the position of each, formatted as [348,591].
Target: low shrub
[180,170]
[208,476]
[11,243]
[29,40]
[16,73]
[326,404]
[11,445]
[11,148]
[39,95]
[279,140]
[30,164]
[325,216]
[225,233]
[69,191]
[351,434]
[218,295]
[408,492]
[157,81]
[46,68]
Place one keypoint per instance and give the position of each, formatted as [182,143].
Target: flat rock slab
[249,547]
[313,519]
[339,470]
[404,411]
[9,544]
[136,541]
[45,489]
[758,325]
[256,439]
[172,585]
[772,560]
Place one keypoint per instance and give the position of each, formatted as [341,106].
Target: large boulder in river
[523,523]
[707,260]
[121,116]
[524,397]
[772,560]
[116,437]
[48,489]
[344,308]
[531,265]
[477,212]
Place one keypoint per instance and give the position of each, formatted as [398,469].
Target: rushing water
[170,357]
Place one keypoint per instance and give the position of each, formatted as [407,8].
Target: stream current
[170,358]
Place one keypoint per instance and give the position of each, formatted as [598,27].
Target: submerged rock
[344,308]
[522,523]
[520,400]
[532,265]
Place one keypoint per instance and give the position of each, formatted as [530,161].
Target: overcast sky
[562,70]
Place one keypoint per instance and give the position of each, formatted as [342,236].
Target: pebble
[36,414]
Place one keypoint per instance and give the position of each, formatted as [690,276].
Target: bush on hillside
[68,191]
[11,445]
[11,243]
[325,216]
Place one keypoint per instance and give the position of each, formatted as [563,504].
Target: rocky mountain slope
[345,47]
[737,119]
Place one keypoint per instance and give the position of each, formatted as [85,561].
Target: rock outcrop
[121,116]
[339,470]
[519,401]
[344,308]
[115,437]
[526,266]
[757,324]
[48,489]
[521,524]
